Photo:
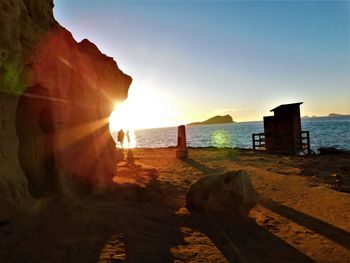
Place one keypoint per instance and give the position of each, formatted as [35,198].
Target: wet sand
[140,218]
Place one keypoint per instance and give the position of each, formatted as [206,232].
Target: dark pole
[253,139]
[308,142]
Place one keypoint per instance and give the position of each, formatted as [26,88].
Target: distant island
[215,120]
[329,115]
[336,115]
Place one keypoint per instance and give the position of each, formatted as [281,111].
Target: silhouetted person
[128,138]
[121,137]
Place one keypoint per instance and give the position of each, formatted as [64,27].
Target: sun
[144,108]
[120,119]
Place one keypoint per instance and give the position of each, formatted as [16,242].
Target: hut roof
[286,106]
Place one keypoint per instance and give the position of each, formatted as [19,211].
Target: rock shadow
[128,222]
[148,226]
[241,239]
[200,167]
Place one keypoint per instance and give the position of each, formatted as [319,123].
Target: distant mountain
[215,120]
[336,115]
[329,115]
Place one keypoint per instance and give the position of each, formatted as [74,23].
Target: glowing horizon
[237,58]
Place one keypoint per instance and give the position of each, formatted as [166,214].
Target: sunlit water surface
[324,132]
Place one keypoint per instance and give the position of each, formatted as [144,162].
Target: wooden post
[253,139]
[181,151]
[308,142]
[181,137]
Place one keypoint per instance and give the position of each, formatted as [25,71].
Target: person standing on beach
[121,137]
[128,138]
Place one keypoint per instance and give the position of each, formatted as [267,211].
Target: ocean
[324,132]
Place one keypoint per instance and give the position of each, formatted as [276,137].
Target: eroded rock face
[58,95]
[231,193]
[72,88]
[22,24]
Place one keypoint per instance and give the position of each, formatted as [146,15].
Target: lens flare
[221,138]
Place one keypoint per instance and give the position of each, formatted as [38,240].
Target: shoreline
[342,151]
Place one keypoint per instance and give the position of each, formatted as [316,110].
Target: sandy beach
[141,217]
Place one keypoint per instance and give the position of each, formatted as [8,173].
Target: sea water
[324,132]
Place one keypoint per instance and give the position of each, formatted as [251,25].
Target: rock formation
[215,120]
[55,99]
[231,193]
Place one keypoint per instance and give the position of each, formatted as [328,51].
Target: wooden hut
[282,132]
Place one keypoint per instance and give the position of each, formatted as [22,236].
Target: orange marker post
[181,151]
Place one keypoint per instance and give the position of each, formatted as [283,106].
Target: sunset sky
[190,60]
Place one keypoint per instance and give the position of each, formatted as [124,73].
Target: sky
[191,60]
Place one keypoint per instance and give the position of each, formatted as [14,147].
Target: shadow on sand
[128,222]
[134,221]
[144,216]
[241,239]
[200,167]
[336,234]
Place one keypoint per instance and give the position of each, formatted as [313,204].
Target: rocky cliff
[55,99]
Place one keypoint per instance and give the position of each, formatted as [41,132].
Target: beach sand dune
[141,217]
